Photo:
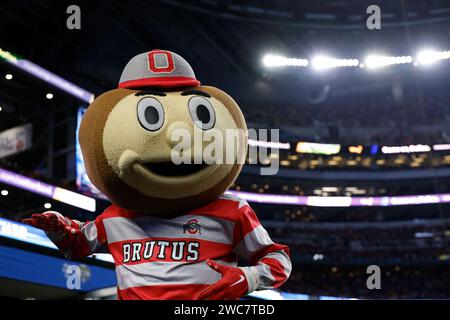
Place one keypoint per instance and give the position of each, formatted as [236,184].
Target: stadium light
[280,61]
[4,192]
[323,62]
[375,61]
[343,201]
[269,144]
[406,149]
[427,57]
[8,76]
[441,147]
[49,96]
[317,257]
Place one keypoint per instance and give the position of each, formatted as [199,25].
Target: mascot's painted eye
[202,113]
[150,114]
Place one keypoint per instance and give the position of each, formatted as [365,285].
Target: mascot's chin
[171,229]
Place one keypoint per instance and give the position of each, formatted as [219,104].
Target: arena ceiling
[223,40]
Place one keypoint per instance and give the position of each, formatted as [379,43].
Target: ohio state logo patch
[160,61]
[192,227]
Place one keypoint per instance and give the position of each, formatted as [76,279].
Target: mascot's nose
[179,132]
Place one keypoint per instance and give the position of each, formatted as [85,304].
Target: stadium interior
[363,151]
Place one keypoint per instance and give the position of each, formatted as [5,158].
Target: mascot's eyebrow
[197,92]
[151,92]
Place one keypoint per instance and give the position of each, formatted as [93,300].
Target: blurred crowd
[378,120]
[300,187]
[331,259]
[366,243]
[396,282]
[306,214]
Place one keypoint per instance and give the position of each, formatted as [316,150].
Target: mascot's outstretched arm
[73,238]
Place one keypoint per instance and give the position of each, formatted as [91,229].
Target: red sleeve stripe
[74,246]
[253,243]
[277,270]
[248,222]
[268,249]
[101,232]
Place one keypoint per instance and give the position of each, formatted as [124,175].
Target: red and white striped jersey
[164,258]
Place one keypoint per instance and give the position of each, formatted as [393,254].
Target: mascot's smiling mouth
[170,169]
[161,169]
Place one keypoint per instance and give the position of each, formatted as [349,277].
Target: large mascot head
[133,138]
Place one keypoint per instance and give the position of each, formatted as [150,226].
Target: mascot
[171,230]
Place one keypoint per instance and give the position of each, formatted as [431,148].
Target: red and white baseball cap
[158,68]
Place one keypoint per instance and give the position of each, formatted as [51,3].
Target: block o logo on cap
[160,61]
[158,69]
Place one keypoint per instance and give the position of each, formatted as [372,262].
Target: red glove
[55,223]
[232,286]
[51,221]
[65,233]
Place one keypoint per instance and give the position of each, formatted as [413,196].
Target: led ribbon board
[22,232]
[281,295]
[318,148]
[47,190]
[25,233]
[315,201]
[47,76]
[52,271]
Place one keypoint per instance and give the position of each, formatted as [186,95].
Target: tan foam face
[117,150]
[130,148]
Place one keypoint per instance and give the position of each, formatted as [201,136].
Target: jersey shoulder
[234,199]
[227,207]
[114,211]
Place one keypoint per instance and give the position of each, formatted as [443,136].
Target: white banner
[15,140]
